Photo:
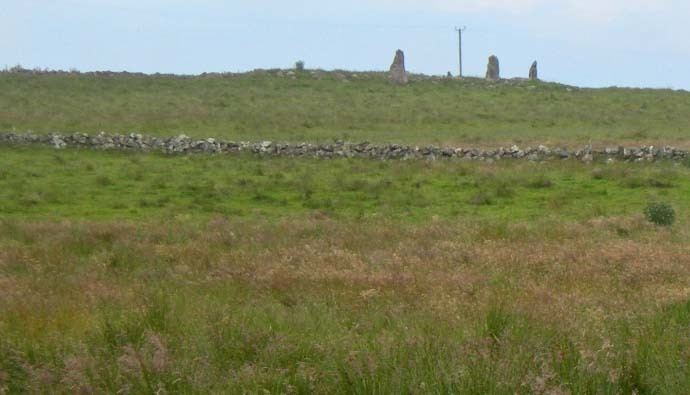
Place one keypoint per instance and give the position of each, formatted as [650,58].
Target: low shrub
[660,214]
[504,190]
[481,199]
[540,182]
[662,178]
[598,174]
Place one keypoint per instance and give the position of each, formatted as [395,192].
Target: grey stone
[398,74]
[57,142]
[533,73]
[185,145]
[493,72]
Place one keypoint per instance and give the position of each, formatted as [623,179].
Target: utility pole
[460,30]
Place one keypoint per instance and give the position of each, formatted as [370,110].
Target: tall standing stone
[493,72]
[533,73]
[398,75]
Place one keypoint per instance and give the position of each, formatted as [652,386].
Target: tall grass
[319,306]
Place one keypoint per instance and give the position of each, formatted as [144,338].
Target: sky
[592,43]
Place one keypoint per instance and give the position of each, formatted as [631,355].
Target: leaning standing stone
[492,69]
[533,74]
[398,75]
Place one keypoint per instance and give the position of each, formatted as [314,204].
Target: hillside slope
[321,106]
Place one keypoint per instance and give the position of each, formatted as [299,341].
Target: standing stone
[533,74]
[493,72]
[398,75]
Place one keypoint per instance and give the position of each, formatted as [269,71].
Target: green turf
[262,106]
[44,183]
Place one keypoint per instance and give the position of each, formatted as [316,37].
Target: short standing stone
[398,75]
[533,73]
[493,72]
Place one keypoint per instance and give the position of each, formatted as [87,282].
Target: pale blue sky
[582,42]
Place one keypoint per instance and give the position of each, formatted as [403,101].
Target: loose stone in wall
[398,74]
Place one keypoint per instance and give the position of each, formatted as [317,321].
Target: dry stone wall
[186,145]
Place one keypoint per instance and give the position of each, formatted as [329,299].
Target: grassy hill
[139,273]
[322,106]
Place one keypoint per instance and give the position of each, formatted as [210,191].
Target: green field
[197,274]
[328,106]
[45,183]
[147,273]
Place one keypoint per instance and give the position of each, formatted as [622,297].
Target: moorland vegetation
[127,272]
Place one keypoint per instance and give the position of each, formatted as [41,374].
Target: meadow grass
[339,105]
[81,184]
[323,306]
